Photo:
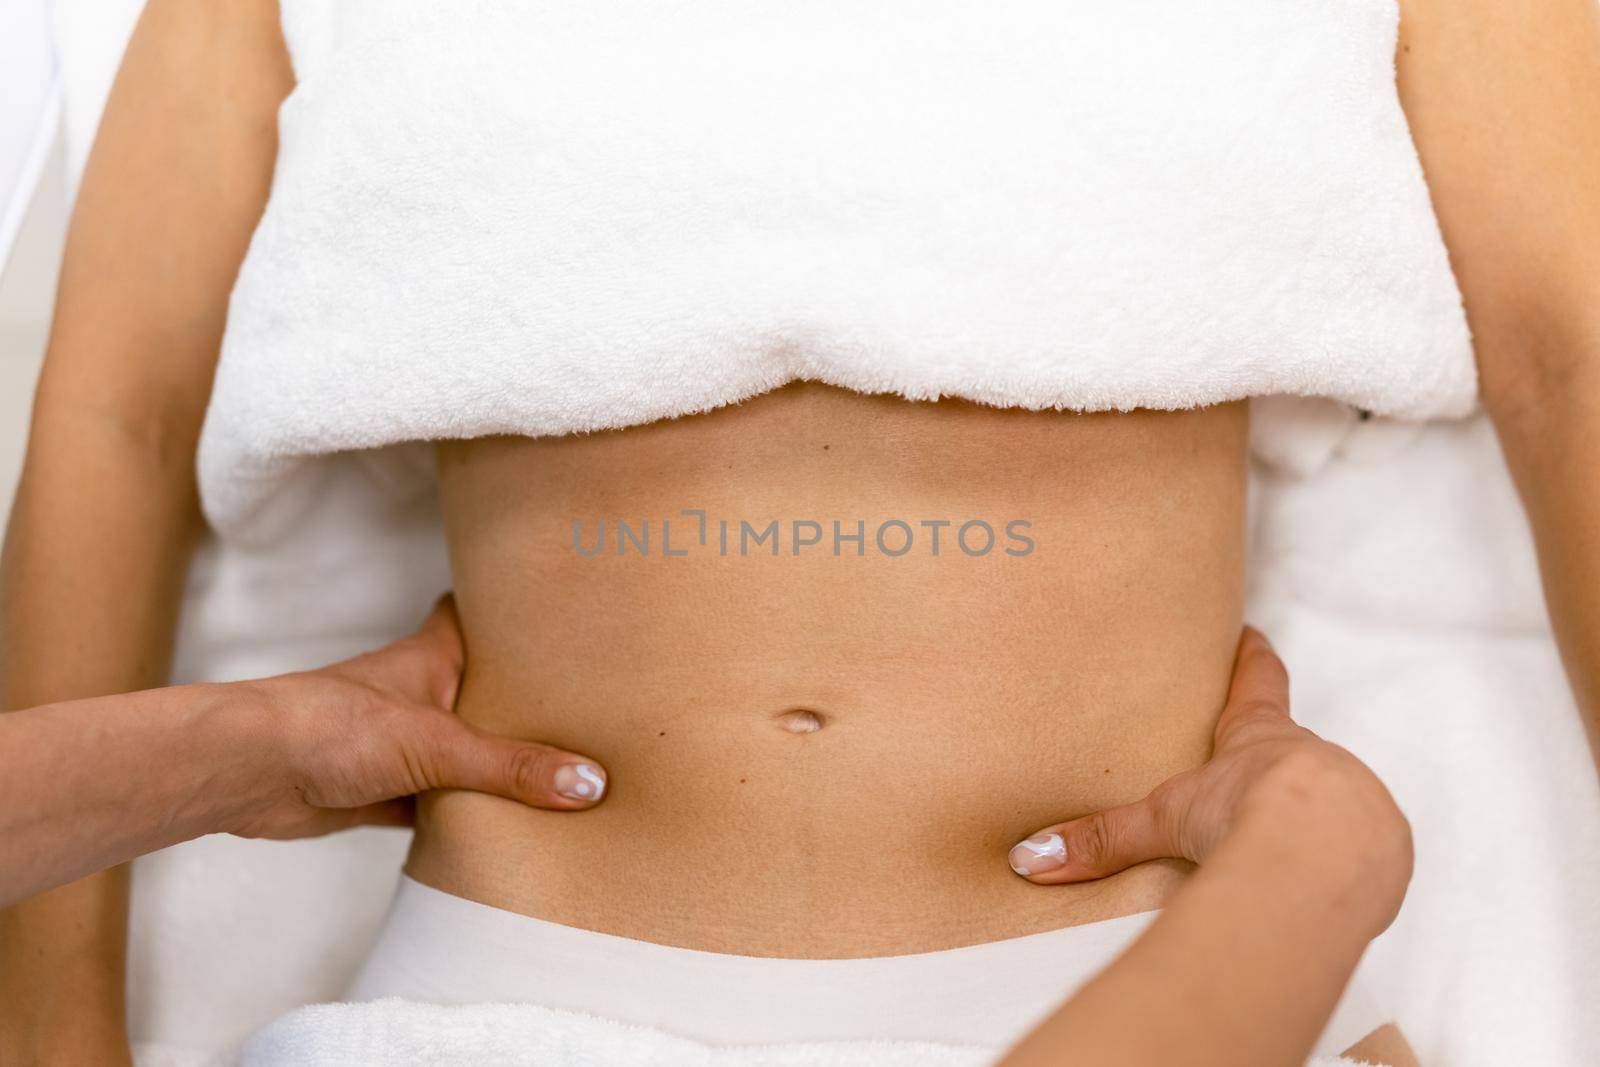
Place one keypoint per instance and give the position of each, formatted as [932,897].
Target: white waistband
[442,949]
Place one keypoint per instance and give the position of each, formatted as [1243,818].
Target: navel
[800,720]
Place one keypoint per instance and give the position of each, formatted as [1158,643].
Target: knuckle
[1094,840]
[1168,804]
[1328,783]
[529,770]
[1319,769]
[1325,777]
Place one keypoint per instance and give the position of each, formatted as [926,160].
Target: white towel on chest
[573,217]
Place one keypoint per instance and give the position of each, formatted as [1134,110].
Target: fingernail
[581,781]
[1039,853]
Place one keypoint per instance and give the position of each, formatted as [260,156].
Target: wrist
[244,751]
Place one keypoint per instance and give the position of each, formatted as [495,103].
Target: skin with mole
[986,696]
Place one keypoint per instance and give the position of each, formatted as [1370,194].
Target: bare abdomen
[828,749]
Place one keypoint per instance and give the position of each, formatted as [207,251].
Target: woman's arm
[1503,97]
[106,512]
[1304,859]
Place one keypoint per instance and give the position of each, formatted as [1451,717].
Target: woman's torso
[963,700]
[649,213]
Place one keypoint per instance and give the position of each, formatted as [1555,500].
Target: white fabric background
[29,102]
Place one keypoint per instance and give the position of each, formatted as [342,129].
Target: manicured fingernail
[1039,853]
[581,781]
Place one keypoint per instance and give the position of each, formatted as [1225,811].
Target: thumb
[1094,846]
[531,773]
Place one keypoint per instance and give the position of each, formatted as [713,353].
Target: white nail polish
[1039,853]
[580,781]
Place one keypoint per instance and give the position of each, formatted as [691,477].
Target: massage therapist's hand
[87,784]
[1304,859]
[356,740]
[1265,771]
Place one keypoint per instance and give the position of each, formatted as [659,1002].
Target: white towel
[565,218]
[513,1035]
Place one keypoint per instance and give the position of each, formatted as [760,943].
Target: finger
[443,651]
[1260,684]
[441,631]
[426,666]
[1094,846]
[526,771]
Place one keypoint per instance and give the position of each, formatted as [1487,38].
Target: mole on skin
[800,720]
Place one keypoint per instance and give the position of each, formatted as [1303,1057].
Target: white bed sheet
[30,105]
[1398,581]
